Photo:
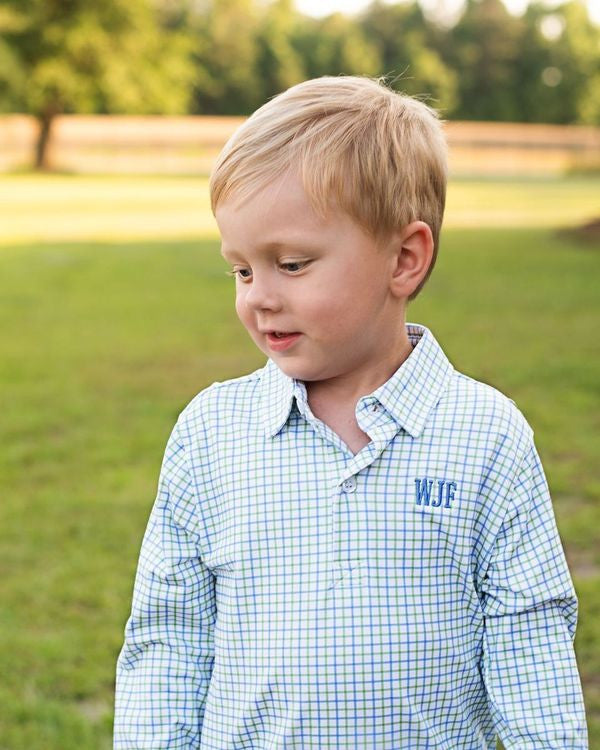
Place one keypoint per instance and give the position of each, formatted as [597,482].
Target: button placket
[345,525]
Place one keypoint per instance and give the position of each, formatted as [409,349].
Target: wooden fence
[129,144]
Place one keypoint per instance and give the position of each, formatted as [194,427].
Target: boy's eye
[246,273]
[294,265]
[238,272]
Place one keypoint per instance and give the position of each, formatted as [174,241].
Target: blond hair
[378,155]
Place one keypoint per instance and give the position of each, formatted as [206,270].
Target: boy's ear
[412,253]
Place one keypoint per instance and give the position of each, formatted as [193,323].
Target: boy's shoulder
[223,400]
[478,407]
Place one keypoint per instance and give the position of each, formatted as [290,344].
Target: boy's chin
[296,371]
[287,366]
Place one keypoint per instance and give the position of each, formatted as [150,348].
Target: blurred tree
[407,46]
[576,55]
[278,64]
[12,73]
[557,78]
[84,56]
[483,49]
[230,56]
[334,45]
[574,61]
[226,57]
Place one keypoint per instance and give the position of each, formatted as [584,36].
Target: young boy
[353,546]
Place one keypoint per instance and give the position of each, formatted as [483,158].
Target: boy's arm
[530,609]
[165,664]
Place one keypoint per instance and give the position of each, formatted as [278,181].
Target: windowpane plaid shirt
[290,594]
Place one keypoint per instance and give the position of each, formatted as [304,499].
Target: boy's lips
[276,330]
[283,340]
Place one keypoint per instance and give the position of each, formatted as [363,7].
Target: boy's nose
[262,295]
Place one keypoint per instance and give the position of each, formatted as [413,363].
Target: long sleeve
[165,664]
[530,609]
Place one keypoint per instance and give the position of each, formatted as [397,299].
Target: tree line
[230,56]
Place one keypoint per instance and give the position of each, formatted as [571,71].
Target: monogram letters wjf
[441,497]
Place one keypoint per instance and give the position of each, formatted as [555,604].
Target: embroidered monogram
[440,497]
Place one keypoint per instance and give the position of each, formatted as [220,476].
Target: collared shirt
[290,594]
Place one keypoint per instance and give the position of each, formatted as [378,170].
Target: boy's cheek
[242,311]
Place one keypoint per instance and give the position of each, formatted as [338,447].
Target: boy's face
[322,280]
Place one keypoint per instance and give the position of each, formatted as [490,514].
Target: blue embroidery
[442,498]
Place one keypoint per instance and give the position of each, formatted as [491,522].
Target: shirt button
[375,407]
[349,485]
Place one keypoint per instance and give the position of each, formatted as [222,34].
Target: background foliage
[229,56]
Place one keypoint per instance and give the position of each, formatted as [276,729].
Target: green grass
[58,208]
[105,342]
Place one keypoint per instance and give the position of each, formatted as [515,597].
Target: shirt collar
[408,396]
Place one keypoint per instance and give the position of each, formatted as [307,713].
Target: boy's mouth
[279,339]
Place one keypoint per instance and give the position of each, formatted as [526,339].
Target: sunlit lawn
[59,208]
[105,340]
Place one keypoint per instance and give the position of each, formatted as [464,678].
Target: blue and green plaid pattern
[290,594]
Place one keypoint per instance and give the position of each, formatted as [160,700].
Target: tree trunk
[45,120]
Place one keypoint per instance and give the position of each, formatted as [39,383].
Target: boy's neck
[348,390]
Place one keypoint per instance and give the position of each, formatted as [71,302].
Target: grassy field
[116,311]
